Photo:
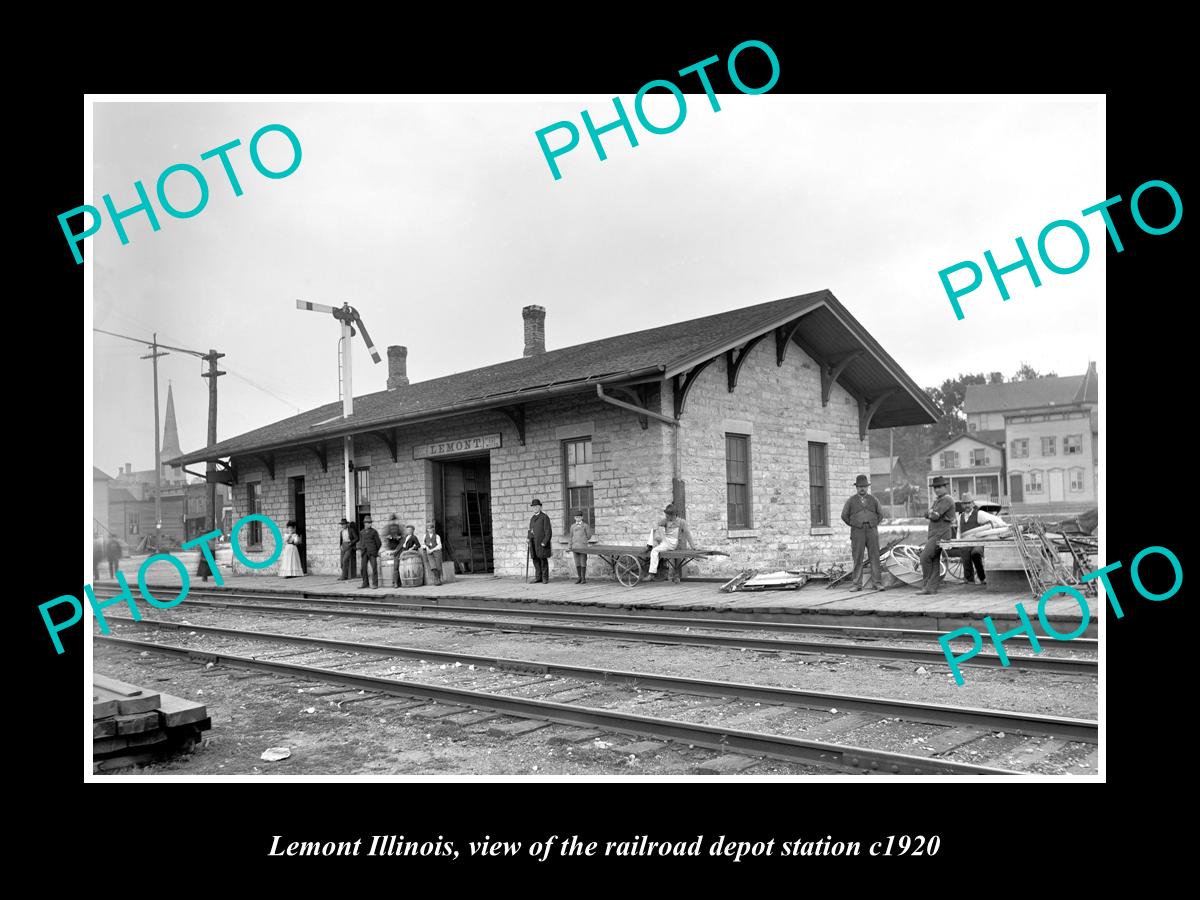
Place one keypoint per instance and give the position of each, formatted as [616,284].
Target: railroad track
[385,612]
[507,688]
[731,621]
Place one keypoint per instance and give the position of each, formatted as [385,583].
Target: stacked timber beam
[132,726]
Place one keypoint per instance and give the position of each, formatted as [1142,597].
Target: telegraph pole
[210,466]
[212,375]
[154,355]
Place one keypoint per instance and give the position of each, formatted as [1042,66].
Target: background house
[1047,433]
[975,465]
[889,484]
[100,487]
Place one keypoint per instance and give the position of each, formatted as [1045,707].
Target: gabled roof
[120,495]
[1037,393]
[974,436]
[823,328]
[97,475]
[993,436]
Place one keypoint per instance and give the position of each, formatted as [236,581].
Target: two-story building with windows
[974,463]
[1048,430]
[753,421]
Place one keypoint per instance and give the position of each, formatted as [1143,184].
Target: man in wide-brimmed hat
[861,512]
[941,518]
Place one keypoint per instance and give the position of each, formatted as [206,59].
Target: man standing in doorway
[347,546]
[861,512]
[368,552]
[540,532]
[941,526]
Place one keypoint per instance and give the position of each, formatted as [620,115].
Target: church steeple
[170,440]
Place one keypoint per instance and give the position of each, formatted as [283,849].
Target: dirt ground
[332,731]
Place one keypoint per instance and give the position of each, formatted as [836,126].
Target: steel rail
[867,631]
[838,756]
[1056,664]
[1084,730]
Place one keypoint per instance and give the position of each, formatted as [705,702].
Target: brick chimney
[535,329]
[397,367]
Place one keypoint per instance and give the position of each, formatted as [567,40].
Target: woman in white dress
[289,562]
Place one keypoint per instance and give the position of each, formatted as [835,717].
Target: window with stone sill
[818,484]
[737,482]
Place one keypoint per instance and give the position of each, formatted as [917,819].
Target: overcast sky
[439,220]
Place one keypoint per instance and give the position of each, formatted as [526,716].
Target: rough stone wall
[780,408]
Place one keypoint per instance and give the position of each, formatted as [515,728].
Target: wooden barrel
[412,569]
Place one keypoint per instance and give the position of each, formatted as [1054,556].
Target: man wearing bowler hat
[347,543]
[540,533]
[941,518]
[861,512]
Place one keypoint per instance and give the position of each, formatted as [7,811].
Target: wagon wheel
[628,569]
[952,566]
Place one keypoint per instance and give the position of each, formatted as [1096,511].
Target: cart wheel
[629,570]
[952,566]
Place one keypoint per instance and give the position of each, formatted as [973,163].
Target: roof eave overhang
[585,385]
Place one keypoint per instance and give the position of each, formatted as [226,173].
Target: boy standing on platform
[432,551]
[581,533]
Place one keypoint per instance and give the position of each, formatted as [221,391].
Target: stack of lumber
[132,726]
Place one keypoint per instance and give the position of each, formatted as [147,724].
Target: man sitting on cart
[671,532]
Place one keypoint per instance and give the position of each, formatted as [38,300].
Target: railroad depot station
[753,422]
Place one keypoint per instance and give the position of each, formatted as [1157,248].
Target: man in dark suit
[941,518]
[540,532]
[368,552]
[861,512]
[347,546]
[112,548]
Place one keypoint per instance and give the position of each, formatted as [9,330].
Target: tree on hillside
[950,398]
[1029,373]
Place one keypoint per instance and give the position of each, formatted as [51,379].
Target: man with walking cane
[538,545]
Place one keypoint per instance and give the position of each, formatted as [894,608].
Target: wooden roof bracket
[642,412]
[389,438]
[783,337]
[734,360]
[685,383]
[321,451]
[637,399]
[516,415]
[866,412]
[268,460]
[831,372]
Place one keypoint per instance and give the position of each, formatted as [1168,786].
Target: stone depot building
[753,421]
